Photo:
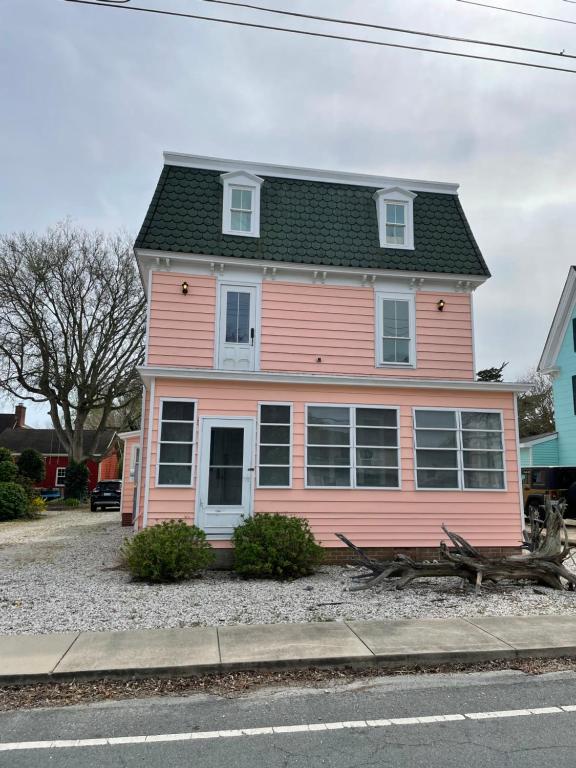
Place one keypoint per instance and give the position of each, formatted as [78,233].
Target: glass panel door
[238,332]
[226,466]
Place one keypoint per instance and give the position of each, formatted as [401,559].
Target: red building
[18,437]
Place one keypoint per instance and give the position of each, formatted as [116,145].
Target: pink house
[310,351]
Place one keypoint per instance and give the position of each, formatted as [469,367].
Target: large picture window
[176,446]
[274,445]
[459,450]
[352,447]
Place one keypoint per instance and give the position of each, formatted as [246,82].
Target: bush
[14,502]
[5,455]
[171,551]
[37,504]
[76,481]
[72,503]
[8,471]
[275,546]
[31,465]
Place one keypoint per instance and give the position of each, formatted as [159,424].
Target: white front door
[226,480]
[237,328]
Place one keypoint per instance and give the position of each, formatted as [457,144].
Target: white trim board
[381,382]
[383,279]
[307,174]
[559,325]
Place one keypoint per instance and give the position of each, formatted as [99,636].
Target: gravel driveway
[62,573]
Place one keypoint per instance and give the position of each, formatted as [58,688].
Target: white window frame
[159,441]
[352,426]
[290,444]
[61,484]
[244,181]
[132,468]
[239,283]
[397,196]
[460,469]
[379,299]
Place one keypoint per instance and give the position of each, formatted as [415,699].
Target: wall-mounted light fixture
[184,287]
[440,304]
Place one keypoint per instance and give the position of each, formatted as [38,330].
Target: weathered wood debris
[546,544]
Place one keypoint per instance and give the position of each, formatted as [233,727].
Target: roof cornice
[559,324]
[225,165]
[378,382]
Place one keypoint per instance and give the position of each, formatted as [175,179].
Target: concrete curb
[194,652]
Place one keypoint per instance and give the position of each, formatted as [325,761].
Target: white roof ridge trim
[226,165]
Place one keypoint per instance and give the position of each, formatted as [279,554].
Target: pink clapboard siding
[128,485]
[302,322]
[181,331]
[405,517]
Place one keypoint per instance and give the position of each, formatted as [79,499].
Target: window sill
[397,247]
[241,234]
[401,366]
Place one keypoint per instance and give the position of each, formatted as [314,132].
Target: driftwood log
[547,548]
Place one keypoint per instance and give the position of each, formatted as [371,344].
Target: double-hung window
[352,447]
[60,476]
[241,209]
[396,223]
[459,450]
[274,445]
[395,330]
[241,203]
[176,446]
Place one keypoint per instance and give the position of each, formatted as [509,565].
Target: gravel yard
[61,573]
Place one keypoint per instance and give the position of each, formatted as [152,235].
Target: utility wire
[307,33]
[520,13]
[368,25]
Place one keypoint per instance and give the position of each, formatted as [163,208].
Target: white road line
[282,729]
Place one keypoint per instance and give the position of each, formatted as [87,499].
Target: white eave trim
[378,382]
[537,440]
[559,324]
[163,260]
[307,174]
[129,435]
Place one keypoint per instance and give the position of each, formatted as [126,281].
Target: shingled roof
[47,442]
[307,222]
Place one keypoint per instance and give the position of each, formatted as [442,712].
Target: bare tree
[536,407]
[72,324]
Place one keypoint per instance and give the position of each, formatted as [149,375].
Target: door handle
[251,469]
[252,334]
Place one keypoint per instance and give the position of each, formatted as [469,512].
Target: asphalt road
[473,740]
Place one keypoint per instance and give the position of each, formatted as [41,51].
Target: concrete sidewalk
[86,655]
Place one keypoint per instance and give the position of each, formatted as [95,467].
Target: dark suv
[106,493]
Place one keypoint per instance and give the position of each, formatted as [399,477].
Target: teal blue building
[559,361]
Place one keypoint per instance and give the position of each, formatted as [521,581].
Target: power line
[325,35]
[368,25]
[520,13]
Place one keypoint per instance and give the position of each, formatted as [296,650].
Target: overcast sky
[92,96]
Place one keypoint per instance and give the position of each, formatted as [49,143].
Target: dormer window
[395,217]
[241,204]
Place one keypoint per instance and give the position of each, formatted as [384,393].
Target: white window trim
[395,195]
[460,451]
[194,423]
[132,469]
[60,484]
[240,180]
[238,283]
[353,467]
[291,444]
[379,298]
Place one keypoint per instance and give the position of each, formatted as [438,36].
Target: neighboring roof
[535,439]
[46,441]
[304,220]
[562,317]
[129,435]
[7,421]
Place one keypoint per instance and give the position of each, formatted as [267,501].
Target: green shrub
[5,455]
[72,503]
[171,551]
[38,505]
[8,471]
[31,465]
[76,481]
[275,546]
[14,502]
